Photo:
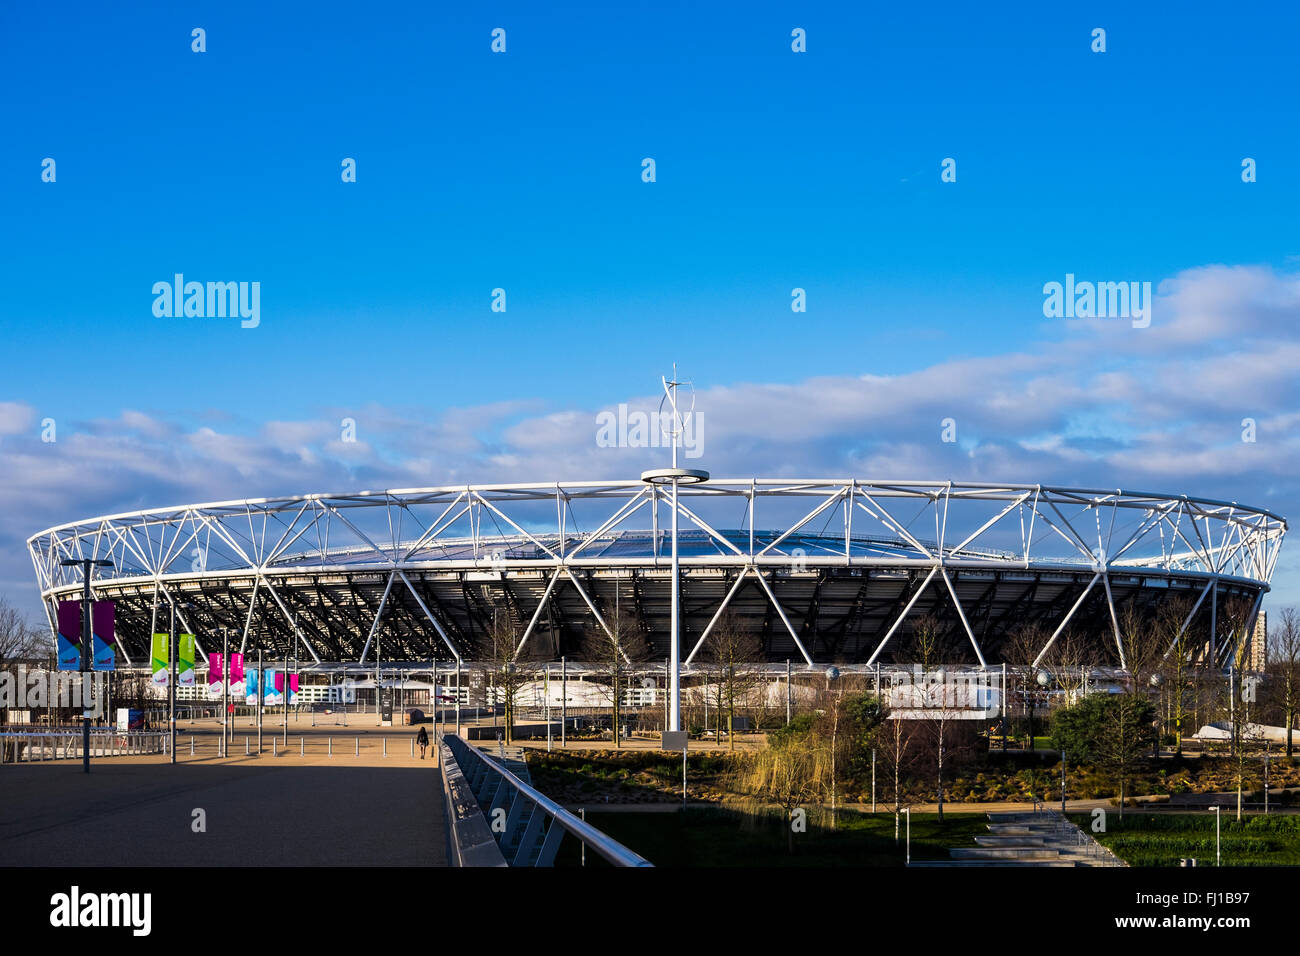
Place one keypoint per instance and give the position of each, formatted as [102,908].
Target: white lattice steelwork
[823,568]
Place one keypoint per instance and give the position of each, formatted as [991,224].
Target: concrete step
[998,839]
[1006,829]
[959,863]
[1004,853]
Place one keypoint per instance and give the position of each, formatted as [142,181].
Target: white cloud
[1099,404]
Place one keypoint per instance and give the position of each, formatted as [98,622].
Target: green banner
[160,659]
[185,661]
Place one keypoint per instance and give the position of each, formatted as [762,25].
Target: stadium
[820,571]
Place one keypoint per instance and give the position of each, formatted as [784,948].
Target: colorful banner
[185,661]
[214,668]
[293,689]
[69,635]
[161,658]
[274,684]
[101,623]
[216,687]
[251,686]
[236,675]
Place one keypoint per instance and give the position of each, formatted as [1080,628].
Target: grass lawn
[725,837]
[1162,839]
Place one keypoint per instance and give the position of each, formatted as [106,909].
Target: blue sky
[522,170]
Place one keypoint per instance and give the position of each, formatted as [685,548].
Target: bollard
[245,746]
[412,746]
[385,746]
[273,746]
[301,751]
[356,751]
[191,746]
[329,741]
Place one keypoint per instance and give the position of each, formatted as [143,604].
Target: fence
[34,746]
[1071,833]
[526,825]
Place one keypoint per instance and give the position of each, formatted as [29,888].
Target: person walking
[422,738]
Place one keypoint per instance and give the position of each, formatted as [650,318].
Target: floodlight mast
[673,477]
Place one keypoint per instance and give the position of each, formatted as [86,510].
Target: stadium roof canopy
[816,570]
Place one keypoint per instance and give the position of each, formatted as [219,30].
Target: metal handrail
[609,849]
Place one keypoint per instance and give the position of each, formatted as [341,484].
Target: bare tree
[1069,662]
[19,640]
[730,653]
[938,703]
[1284,670]
[1176,640]
[895,741]
[1144,653]
[497,647]
[1246,733]
[614,654]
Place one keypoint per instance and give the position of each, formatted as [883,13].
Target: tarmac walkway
[285,811]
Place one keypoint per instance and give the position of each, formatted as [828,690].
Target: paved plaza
[267,811]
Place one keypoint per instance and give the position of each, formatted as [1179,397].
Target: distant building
[1257,650]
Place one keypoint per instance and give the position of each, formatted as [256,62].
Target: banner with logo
[215,683]
[293,689]
[185,661]
[274,684]
[69,635]
[250,687]
[101,626]
[236,676]
[161,658]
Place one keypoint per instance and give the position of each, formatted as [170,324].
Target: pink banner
[279,681]
[293,683]
[236,668]
[214,668]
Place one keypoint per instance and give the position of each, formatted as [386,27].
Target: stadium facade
[823,570]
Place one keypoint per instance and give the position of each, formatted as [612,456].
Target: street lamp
[672,477]
[940,680]
[1218,856]
[85,564]
[908,811]
[833,673]
[171,683]
[1042,678]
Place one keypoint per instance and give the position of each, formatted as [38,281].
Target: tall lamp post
[86,564]
[171,683]
[832,675]
[672,477]
[225,692]
[908,860]
[1218,856]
